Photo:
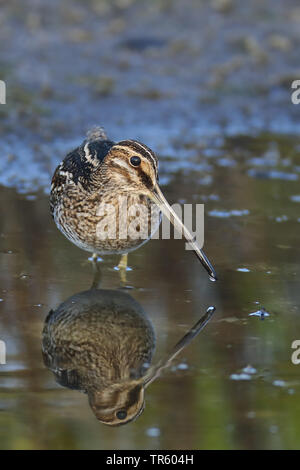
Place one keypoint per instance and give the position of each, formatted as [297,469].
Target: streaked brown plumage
[99,173]
[100,342]
[93,175]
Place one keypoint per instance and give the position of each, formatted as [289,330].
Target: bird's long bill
[160,200]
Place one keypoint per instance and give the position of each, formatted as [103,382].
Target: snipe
[92,184]
[101,342]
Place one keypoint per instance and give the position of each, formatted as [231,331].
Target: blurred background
[207,85]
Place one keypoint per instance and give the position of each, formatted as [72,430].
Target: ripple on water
[249,370]
[262,313]
[153,432]
[241,376]
[182,366]
[281,218]
[225,214]
[279,383]
[272,174]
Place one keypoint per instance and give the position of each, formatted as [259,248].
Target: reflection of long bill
[159,199]
[154,371]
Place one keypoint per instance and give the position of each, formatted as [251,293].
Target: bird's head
[134,166]
[119,403]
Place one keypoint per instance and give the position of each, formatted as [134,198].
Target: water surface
[234,386]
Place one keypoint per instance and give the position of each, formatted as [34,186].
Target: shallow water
[234,385]
[188,90]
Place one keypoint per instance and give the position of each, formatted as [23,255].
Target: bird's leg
[123,262]
[122,267]
[97,272]
[94,258]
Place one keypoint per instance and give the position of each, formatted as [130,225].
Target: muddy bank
[167,73]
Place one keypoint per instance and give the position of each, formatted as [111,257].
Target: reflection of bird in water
[98,184]
[101,342]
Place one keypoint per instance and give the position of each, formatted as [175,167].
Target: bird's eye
[135,161]
[122,414]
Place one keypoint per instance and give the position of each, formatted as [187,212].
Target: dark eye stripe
[146,180]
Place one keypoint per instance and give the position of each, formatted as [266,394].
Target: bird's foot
[95,260]
[123,268]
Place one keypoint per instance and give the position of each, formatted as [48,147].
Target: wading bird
[98,175]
